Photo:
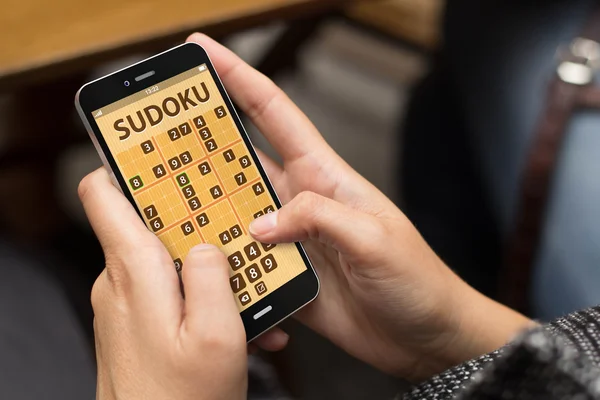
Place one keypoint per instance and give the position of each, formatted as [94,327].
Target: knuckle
[98,290]
[215,340]
[305,212]
[260,106]
[379,230]
[307,204]
[222,340]
[378,234]
[121,260]
[107,297]
[116,273]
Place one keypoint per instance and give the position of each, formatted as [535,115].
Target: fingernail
[195,36]
[280,340]
[264,224]
[203,247]
[284,337]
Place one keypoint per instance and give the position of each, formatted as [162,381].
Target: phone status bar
[149,91]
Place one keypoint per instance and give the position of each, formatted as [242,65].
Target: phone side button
[262,313]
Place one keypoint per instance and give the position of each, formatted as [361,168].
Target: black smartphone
[172,141]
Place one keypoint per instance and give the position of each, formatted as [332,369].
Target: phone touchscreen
[194,179]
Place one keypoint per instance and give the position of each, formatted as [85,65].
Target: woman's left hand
[150,342]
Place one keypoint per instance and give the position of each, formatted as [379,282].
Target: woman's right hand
[386,298]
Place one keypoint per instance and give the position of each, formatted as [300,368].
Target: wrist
[481,325]
[473,325]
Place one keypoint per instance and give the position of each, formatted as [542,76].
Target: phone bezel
[106,90]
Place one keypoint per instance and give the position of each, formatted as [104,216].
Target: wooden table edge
[43,72]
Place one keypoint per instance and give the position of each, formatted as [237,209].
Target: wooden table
[47,49]
[41,40]
[416,22]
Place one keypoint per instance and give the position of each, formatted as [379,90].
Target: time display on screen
[152,89]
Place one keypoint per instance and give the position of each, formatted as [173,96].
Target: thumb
[311,216]
[209,303]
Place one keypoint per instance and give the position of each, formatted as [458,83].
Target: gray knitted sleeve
[558,361]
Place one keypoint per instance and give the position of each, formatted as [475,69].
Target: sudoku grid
[195,181]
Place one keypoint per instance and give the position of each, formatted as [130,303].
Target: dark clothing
[467,135]
[556,362]
[44,353]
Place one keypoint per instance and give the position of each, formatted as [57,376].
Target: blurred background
[479,119]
